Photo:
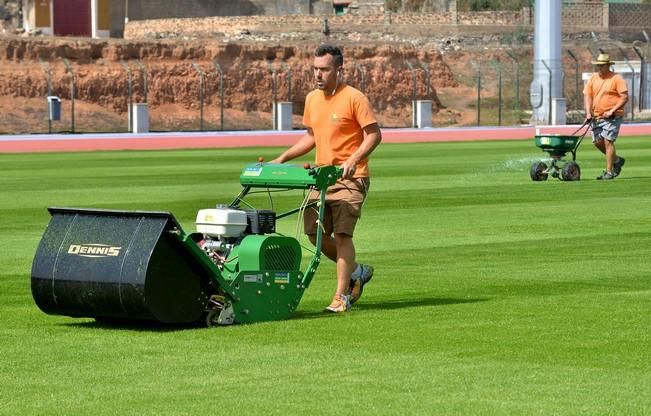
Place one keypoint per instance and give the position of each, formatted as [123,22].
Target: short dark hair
[330,50]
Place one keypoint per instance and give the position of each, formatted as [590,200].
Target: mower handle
[586,122]
[312,170]
[588,125]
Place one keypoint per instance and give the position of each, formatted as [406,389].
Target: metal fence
[488,88]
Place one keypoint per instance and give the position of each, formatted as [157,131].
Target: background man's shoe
[617,166]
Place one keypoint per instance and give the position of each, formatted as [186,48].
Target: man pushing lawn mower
[605,96]
[343,129]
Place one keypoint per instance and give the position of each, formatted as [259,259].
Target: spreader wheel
[538,171]
[571,172]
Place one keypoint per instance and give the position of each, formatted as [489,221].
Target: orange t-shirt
[605,93]
[337,122]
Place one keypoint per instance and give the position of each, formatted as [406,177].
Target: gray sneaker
[605,175]
[617,166]
[357,284]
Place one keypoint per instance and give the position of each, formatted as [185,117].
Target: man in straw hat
[605,96]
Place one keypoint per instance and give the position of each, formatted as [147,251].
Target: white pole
[94,19]
[547,67]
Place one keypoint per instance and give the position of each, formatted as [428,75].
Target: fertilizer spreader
[557,146]
[141,265]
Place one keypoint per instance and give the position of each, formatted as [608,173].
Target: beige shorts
[343,208]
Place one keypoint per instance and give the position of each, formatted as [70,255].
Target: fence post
[517,80]
[478,78]
[130,93]
[632,83]
[642,78]
[218,68]
[576,79]
[427,77]
[413,94]
[499,98]
[46,68]
[362,72]
[72,93]
[275,95]
[549,95]
[286,68]
[201,87]
[144,79]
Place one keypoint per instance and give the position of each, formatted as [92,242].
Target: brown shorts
[343,208]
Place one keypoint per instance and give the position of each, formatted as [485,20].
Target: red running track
[127,141]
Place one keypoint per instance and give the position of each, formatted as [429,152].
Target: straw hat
[603,59]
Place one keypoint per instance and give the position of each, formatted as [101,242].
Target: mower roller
[557,146]
[141,265]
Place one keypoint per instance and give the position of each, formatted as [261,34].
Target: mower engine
[222,228]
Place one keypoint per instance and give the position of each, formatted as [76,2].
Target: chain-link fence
[466,88]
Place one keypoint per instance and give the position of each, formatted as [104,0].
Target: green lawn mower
[142,266]
[556,165]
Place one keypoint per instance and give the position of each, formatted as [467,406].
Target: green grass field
[493,294]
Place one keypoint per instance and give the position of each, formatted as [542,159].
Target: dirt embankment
[170,73]
[107,75]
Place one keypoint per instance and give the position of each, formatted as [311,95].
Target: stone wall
[585,14]
[629,15]
[277,16]
[231,25]
[161,9]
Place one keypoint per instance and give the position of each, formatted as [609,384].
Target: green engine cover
[265,276]
[263,252]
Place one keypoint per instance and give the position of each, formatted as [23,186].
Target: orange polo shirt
[605,92]
[337,122]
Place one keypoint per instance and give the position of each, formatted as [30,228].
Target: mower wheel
[571,172]
[538,171]
[212,318]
